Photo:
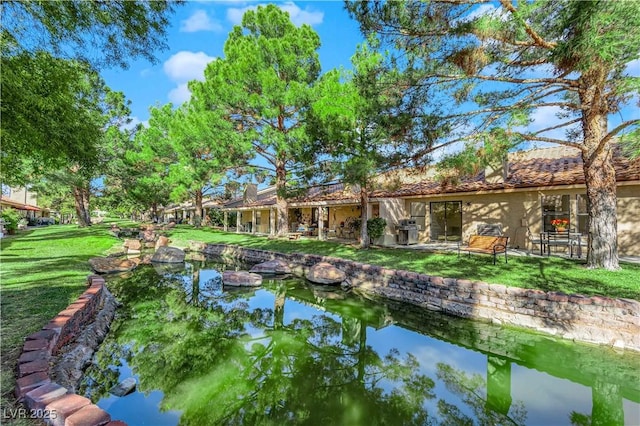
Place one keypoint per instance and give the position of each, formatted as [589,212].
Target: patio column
[238,214]
[225,221]
[321,223]
[253,221]
[272,222]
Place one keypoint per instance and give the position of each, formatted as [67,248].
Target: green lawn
[43,270]
[549,273]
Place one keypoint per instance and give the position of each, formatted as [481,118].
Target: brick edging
[596,319]
[44,398]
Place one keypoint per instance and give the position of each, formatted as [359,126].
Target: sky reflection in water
[294,353]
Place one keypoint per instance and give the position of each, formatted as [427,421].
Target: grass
[544,273]
[43,270]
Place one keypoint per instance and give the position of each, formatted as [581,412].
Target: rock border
[596,319]
[39,371]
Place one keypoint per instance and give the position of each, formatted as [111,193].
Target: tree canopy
[479,73]
[263,85]
[97,32]
[49,51]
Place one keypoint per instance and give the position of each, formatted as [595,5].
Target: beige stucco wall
[629,220]
[263,226]
[340,214]
[519,213]
[392,210]
[23,196]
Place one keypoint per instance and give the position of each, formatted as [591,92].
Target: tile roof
[538,168]
[526,169]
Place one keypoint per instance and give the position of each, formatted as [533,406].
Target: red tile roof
[523,172]
[527,169]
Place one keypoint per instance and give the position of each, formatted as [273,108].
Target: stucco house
[520,196]
[21,199]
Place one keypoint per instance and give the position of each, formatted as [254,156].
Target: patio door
[446,220]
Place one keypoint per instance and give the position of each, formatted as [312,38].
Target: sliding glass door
[446,220]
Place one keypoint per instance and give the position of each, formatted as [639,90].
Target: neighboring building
[21,199]
[520,196]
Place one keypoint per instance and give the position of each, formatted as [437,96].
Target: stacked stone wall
[43,397]
[595,319]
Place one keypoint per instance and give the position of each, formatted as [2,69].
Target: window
[582,214]
[418,213]
[555,207]
[446,221]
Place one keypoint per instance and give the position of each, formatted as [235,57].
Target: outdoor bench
[487,244]
[294,235]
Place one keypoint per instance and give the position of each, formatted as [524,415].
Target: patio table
[565,238]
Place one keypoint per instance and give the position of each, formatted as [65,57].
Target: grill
[407,232]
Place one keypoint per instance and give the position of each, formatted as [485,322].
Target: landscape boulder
[108,265]
[271,267]
[132,244]
[241,279]
[148,235]
[325,273]
[162,242]
[168,255]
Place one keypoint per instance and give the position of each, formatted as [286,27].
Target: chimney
[496,171]
[251,193]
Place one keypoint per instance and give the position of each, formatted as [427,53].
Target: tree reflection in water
[220,362]
[292,353]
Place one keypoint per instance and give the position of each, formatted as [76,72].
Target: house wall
[245,217]
[340,214]
[519,213]
[391,210]
[629,220]
[18,195]
[263,226]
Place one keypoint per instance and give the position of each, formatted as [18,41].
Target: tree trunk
[600,176]
[197,221]
[81,199]
[364,202]
[282,206]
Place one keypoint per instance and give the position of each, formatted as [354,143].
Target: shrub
[11,218]
[375,227]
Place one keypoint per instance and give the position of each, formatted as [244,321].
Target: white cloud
[180,94]
[199,21]
[183,67]
[298,16]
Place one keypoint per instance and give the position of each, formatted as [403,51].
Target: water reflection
[294,353]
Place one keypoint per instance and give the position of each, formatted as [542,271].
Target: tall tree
[42,45]
[100,33]
[498,66]
[138,180]
[43,109]
[264,85]
[356,127]
[206,148]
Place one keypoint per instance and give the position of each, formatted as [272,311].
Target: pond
[293,353]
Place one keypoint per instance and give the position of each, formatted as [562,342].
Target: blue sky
[197,35]
[199,30]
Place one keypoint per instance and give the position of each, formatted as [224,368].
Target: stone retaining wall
[596,319]
[43,397]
